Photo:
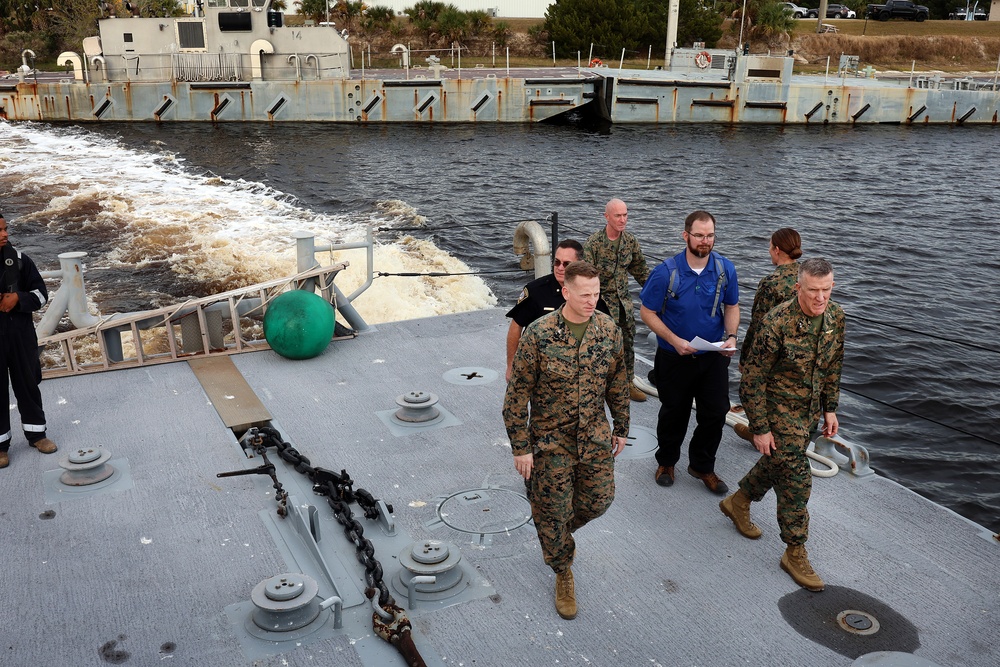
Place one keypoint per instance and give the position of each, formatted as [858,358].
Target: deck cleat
[85,466]
[285,602]
[417,407]
[431,571]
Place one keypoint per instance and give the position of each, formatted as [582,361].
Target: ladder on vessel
[221,324]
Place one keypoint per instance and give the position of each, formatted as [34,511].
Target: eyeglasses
[702,237]
[557,263]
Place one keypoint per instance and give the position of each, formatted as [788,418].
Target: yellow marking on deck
[234,400]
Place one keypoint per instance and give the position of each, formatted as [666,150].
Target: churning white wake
[215,233]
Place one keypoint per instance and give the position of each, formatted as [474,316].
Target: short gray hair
[817,267]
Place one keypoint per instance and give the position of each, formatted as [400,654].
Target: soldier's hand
[523,464]
[764,443]
[830,424]
[617,444]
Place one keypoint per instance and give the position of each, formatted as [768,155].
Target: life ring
[596,62]
[703,59]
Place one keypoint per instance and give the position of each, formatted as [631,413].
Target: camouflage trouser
[627,325]
[566,493]
[786,470]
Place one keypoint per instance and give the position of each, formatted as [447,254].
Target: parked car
[898,9]
[834,11]
[961,14]
[796,11]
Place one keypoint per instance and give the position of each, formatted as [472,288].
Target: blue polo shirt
[688,315]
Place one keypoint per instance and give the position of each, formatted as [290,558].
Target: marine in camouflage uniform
[567,383]
[774,288]
[791,377]
[616,259]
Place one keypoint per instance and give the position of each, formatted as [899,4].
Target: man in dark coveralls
[22,291]
[540,296]
[791,376]
[568,365]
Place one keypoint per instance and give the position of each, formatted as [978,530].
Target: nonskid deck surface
[145,570]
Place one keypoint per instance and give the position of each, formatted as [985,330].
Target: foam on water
[214,234]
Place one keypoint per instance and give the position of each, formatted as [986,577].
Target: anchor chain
[397,631]
[389,620]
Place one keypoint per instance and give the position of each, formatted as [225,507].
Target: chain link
[389,620]
[338,488]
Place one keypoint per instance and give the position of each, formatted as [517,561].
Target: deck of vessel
[142,574]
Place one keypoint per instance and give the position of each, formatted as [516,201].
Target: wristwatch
[733,336]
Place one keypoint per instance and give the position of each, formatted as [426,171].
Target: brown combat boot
[737,508]
[636,394]
[565,595]
[4,460]
[743,431]
[45,446]
[795,561]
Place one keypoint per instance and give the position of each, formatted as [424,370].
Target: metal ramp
[222,324]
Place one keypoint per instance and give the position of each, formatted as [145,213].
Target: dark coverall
[19,345]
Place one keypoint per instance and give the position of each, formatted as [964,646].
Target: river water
[908,217]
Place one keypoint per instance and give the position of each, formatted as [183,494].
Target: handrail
[305,257]
[200,321]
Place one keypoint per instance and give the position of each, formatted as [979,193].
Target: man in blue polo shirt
[692,295]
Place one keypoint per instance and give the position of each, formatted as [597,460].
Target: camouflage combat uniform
[573,475]
[599,250]
[774,288]
[791,376]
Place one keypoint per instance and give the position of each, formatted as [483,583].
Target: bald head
[616,213]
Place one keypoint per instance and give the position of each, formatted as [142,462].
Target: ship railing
[305,260]
[222,324]
[206,66]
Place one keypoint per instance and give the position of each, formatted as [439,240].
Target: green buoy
[298,324]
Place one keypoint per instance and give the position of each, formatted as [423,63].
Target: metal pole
[997,74]
[742,20]
[555,231]
[912,66]
[673,12]
[649,56]
[590,57]
[621,61]
[827,75]
[508,62]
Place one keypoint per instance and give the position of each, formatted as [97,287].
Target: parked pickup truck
[898,9]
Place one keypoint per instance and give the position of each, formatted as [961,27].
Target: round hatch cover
[485,511]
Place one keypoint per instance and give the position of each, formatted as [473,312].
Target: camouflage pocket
[559,368]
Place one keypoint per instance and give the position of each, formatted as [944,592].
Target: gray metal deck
[141,573]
